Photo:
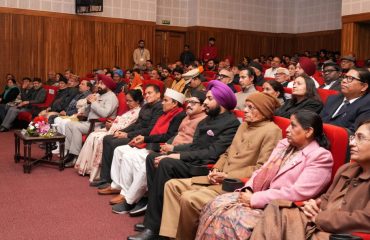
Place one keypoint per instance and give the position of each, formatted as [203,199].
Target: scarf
[136,82]
[162,124]
[7,90]
[263,179]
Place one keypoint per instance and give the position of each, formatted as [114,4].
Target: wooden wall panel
[363,41]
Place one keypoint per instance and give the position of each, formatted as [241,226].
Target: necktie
[343,109]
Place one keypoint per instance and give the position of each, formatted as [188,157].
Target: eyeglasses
[359,139]
[250,107]
[191,102]
[221,76]
[350,79]
[329,71]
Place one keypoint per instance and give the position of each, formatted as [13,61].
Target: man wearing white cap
[128,170]
[193,80]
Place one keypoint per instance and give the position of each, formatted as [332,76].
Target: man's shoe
[3,129]
[71,163]
[122,208]
[70,157]
[97,183]
[146,234]
[139,227]
[117,199]
[108,191]
[139,208]
[105,185]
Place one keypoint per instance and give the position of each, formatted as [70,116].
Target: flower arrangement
[40,127]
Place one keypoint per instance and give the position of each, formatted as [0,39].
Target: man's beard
[213,112]
[102,91]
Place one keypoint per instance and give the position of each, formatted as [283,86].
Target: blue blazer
[358,111]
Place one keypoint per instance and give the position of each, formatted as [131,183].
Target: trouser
[3,110]
[74,131]
[128,172]
[61,124]
[167,169]
[183,202]
[11,115]
[109,144]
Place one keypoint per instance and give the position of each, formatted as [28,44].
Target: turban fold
[223,94]
[108,81]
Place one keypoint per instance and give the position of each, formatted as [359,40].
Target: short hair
[364,75]
[27,78]
[155,87]
[212,39]
[13,80]
[69,70]
[36,79]
[88,83]
[141,41]
[332,64]
[277,57]
[250,72]
[150,61]
[187,45]
[179,70]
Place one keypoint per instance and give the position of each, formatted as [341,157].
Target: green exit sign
[167,22]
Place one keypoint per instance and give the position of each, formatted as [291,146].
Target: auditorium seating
[325,93]
[159,83]
[51,92]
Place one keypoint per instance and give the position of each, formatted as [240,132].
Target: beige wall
[350,7]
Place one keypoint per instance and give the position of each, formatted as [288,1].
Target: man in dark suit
[353,104]
[332,76]
[212,137]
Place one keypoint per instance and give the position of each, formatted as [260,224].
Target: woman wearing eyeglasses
[353,104]
[344,208]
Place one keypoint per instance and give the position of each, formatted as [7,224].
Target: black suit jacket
[211,139]
[358,110]
[290,107]
[335,86]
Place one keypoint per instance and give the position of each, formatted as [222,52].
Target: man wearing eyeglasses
[227,77]
[332,76]
[353,104]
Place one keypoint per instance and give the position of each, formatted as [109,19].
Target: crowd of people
[171,151]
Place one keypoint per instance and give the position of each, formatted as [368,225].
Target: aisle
[49,204]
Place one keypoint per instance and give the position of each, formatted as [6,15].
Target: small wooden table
[28,141]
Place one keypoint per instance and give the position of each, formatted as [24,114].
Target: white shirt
[270,73]
[328,86]
[340,106]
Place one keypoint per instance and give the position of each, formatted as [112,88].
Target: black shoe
[139,208]
[146,234]
[122,208]
[98,183]
[71,164]
[105,185]
[139,227]
[70,157]
[3,129]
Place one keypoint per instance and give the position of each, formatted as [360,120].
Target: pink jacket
[304,178]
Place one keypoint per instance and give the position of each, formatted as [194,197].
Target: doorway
[168,46]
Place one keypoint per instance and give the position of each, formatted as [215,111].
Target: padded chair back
[239,114]
[259,88]
[238,88]
[325,93]
[283,124]
[288,90]
[122,105]
[338,138]
[159,83]
[209,75]
[269,78]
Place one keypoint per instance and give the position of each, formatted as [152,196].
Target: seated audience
[347,63]
[148,116]
[344,208]
[166,77]
[275,89]
[292,69]
[258,71]
[52,81]
[275,64]
[353,104]
[117,78]
[36,95]
[194,79]
[89,159]
[178,83]
[226,77]
[282,76]
[213,136]
[247,77]
[305,67]
[304,96]
[236,70]
[10,93]
[249,150]
[211,66]
[128,170]
[332,76]
[103,105]
[299,168]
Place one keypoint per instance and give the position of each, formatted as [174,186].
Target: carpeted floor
[53,204]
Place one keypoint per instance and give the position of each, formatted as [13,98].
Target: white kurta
[128,172]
